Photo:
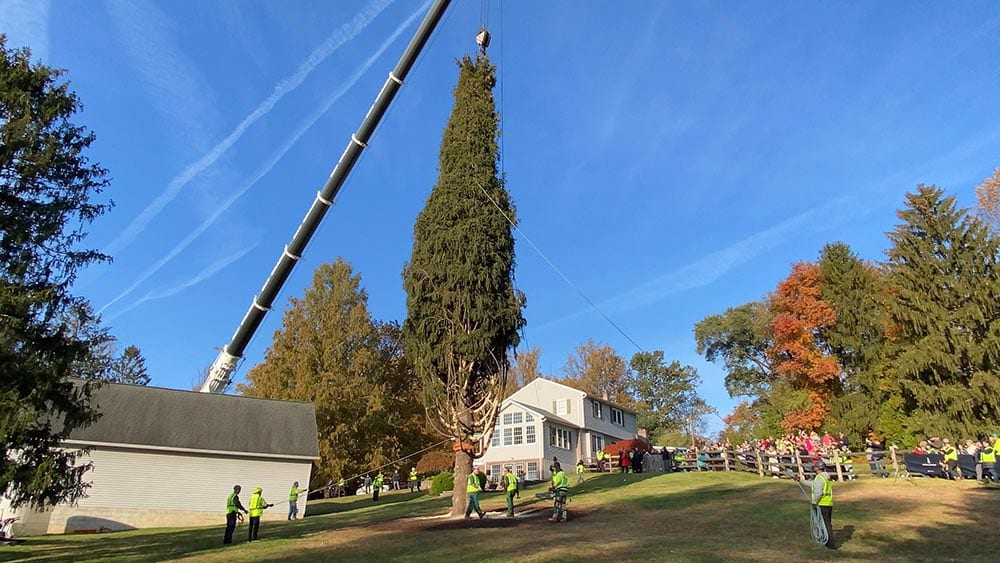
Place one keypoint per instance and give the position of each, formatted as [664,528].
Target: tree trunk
[459,497]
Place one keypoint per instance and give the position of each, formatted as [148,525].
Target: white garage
[164,457]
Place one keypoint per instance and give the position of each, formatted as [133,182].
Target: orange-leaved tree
[799,313]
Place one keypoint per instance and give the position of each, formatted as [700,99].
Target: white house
[164,457]
[545,419]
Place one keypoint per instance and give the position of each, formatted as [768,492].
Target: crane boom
[220,374]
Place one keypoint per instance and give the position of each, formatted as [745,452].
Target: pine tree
[46,188]
[944,278]
[463,311]
[129,368]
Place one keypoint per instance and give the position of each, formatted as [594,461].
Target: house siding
[136,488]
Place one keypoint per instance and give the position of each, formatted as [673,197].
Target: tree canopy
[48,187]
[329,351]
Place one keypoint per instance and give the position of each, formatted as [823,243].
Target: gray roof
[171,418]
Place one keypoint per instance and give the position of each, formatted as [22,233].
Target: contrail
[201,276]
[271,162]
[344,34]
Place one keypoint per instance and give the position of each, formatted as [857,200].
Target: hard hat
[819,464]
[258,490]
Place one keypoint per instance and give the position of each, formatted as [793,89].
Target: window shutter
[568,403]
[553,407]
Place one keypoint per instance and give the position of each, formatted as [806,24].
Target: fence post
[895,464]
[760,468]
[725,458]
[836,460]
[798,463]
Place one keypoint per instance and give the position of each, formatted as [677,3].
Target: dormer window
[598,409]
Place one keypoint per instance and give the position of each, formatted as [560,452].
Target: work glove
[269,506]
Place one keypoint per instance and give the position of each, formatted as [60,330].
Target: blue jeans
[293,510]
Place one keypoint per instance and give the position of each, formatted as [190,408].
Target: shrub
[444,481]
[436,461]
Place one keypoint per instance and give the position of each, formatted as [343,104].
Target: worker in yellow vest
[414,481]
[257,506]
[560,491]
[988,461]
[950,461]
[822,496]
[233,509]
[293,500]
[509,484]
[473,488]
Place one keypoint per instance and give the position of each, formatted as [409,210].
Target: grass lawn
[656,517]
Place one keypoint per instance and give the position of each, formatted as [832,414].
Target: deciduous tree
[463,311]
[799,315]
[523,370]
[600,371]
[47,191]
[988,197]
[741,338]
[665,394]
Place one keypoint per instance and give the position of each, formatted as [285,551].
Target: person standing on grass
[377,486]
[293,499]
[560,491]
[414,480]
[233,508]
[579,471]
[257,506]
[473,488]
[822,496]
[509,483]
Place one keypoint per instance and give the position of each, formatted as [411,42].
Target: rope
[558,271]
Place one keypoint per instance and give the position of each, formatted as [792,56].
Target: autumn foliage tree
[600,371]
[799,314]
[988,198]
[330,352]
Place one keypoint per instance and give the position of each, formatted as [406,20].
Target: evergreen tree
[463,311]
[46,188]
[129,368]
[329,352]
[857,337]
[943,275]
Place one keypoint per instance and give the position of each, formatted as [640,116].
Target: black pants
[375,493]
[827,512]
[253,528]
[230,528]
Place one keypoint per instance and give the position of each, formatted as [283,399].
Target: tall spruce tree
[47,186]
[856,338]
[944,276]
[463,311]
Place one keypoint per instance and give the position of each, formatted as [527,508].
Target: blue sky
[672,159]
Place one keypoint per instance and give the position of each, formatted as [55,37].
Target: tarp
[633,443]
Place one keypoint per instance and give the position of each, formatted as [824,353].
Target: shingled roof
[169,418]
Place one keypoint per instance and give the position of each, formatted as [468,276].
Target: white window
[518,438]
[562,407]
[495,471]
[517,418]
[495,441]
[559,438]
[617,417]
[529,434]
[532,474]
[507,436]
[508,418]
[528,417]
[518,468]
[598,444]
[598,409]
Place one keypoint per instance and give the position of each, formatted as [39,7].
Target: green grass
[677,517]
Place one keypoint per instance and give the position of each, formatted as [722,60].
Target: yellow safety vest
[827,498]
[473,485]
[257,504]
